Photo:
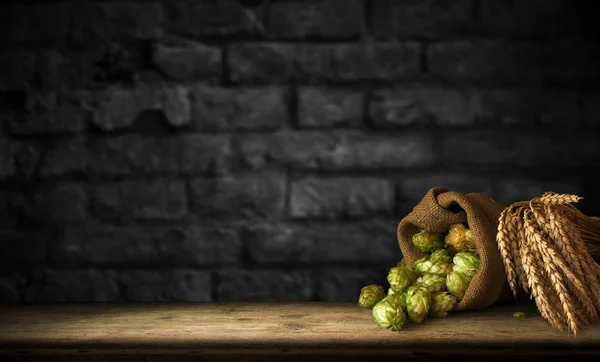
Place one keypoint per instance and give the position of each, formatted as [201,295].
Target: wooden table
[274,332]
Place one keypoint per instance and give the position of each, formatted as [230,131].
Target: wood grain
[228,329]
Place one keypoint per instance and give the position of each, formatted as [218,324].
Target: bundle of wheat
[545,245]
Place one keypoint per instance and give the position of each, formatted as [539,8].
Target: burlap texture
[441,208]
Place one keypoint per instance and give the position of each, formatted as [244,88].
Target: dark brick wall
[265,150]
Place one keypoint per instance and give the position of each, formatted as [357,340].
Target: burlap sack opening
[441,208]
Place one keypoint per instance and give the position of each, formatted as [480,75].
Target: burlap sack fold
[441,208]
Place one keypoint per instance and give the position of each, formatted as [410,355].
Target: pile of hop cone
[431,286]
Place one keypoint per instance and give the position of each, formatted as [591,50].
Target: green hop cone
[433,283]
[457,284]
[418,303]
[417,264]
[370,295]
[466,263]
[441,304]
[425,266]
[428,242]
[401,277]
[389,312]
[441,255]
[391,291]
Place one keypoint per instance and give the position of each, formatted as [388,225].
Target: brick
[493,149]
[130,154]
[60,202]
[68,156]
[34,23]
[296,149]
[319,18]
[327,108]
[516,61]
[409,149]
[343,285]
[191,154]
[261,62]
[86,285]
[211,155]
[25,157]
[158,199]
[181,285]
[157,245]
[10,289]
[119,108]
[21,247]
[265,63]
[17,70]
[243,196]
[555,18]
[209,19]
[221,109]
[323,243]
[385,61]
[191,61]
[78,68]
[340,197]
[263,286]
[526,106]
[96,22]
[422,18]
[510,189]
[54,112]
[414,187]
[336,150]
[111,156]
[19,158]
[481,148]
[421,106]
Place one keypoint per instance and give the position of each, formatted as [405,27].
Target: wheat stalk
[507,249]
[517,220]
[554,198]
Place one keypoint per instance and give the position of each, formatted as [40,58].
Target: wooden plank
[230,329]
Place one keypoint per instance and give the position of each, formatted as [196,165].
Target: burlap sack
[441,208]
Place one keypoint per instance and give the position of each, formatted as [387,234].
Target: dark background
[266,150]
